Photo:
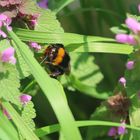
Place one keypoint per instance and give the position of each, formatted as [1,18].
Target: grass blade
[52,90]
[65,38]
[76,42]
[101,47]
[54,128]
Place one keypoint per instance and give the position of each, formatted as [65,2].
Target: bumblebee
[57,60]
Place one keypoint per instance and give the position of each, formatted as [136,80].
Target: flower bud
[25,98]
[8,55]
[133,24]
[122,81]
[130,65]
[124,38]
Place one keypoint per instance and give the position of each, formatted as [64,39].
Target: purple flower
[130,65]
[122,129]
[35,45]
[5,112]
[122,81]
[43,4]
[124,38]
[112,131]
[8,55]
[133,24]
[25,98]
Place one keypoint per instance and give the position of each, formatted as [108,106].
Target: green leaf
[21,66]
[117,30]
[101,113]
[87,90]
[7,130]
[85,75]
[24,130]
[9,84]
[60,5]
[133,79]
[84,68]
[53,93]
[9,76]
[4,43]
[28,114]
[28,7]
[47,22]
[127,136]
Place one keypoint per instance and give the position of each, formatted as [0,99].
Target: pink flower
[139,7]
[6,21]
[124,38]
[122,81]
[8,55]
[35,45]
[25,98]
[130,65]
[5,112]
[35,16]
[12,60]
[33,22]
[9,3]
[43,4]
[133,24]
[3,34]
[3,17]
[33,19]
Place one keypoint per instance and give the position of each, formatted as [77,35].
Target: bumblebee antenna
[43,60]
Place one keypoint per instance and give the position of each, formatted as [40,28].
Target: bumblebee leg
[46,62]
[55,74]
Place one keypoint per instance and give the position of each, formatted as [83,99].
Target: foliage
[90,92]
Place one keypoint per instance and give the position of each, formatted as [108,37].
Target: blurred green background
[89,17]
